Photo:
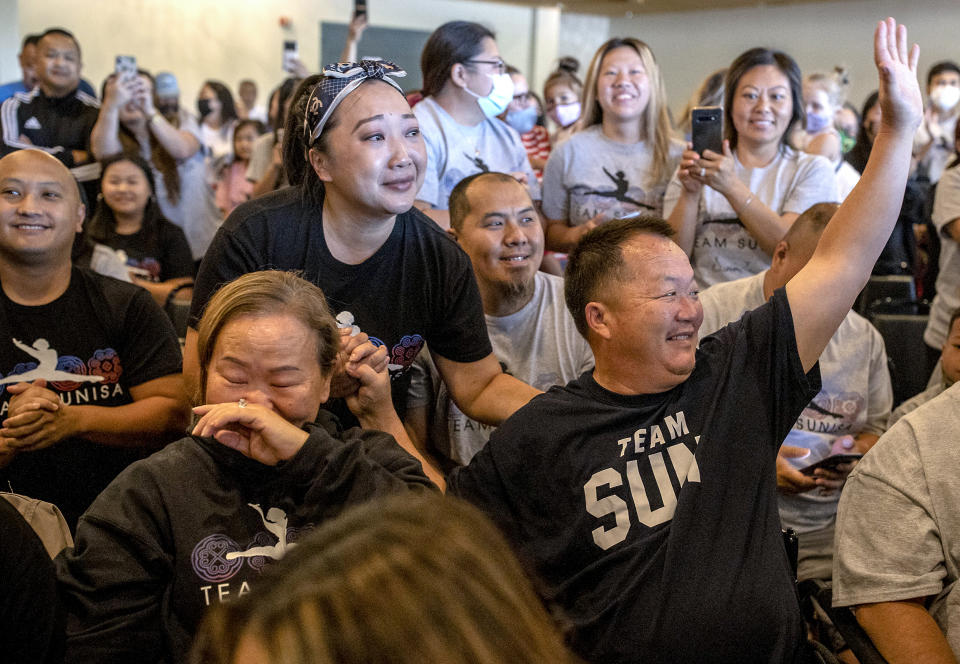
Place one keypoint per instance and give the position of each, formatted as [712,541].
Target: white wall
[689,46]
[200,39]
[9,41]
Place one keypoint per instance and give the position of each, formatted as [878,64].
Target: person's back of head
[411,578]
[797,246]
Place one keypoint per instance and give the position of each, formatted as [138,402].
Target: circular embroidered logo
[209,558]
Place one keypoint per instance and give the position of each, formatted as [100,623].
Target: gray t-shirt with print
[855,397]
[455,151]
[946,208]
[898,526]
[539,345]
[723,250]
[589,174]
[196,209]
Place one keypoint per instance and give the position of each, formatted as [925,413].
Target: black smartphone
[830,462]
[359,8]
[707,129]
[290,54]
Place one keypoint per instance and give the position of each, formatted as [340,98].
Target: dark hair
[565,74]
[63,33]
[249,122]
[28,40]
[162,160]
[468,600]
[860,152]
[296,143]
[811,221]
[940,68]
[104,223]
[757,57]
[459,204]
[228,110]
[597,262]
[452,43]
[283,92]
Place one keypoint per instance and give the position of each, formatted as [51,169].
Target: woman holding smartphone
[620,160]
[730,210]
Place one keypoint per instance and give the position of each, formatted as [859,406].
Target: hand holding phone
[707,129]
[126,67]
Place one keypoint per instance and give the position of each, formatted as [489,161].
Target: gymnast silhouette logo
[620,193]
[275,521]
[478,162]
[47,360]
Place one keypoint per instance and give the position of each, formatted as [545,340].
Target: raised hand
[900,101]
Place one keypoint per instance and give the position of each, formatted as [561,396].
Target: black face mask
[203,107]
[169,109]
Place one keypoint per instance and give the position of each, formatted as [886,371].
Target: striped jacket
[56,125]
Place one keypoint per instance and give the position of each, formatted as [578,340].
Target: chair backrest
[45,519]
[893,286]
[903,336]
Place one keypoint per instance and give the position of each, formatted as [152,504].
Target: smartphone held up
[707,129]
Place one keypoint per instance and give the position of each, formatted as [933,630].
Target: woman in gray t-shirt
[620,160]
[730,210]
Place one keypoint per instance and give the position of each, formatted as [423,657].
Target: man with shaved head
[533,336]
[847,415]
[89,366]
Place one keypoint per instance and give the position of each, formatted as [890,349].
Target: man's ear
[320,164]
[81,214]
[598,319]
[779,252]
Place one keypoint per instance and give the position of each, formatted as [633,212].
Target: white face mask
[945,97]
[499,98]
[566,114]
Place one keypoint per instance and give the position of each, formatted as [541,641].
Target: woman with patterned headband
[389,273]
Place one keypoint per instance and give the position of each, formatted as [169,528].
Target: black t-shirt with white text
[653,518]
[418,287]
[91,345]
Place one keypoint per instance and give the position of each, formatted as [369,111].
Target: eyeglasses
[499,64]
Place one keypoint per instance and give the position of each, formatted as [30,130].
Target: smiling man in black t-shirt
[644,493]
[89,366]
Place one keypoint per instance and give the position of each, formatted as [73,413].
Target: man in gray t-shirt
[532,333]
[898,537]
[851,408]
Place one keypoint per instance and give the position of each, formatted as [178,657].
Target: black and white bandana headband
[338,81]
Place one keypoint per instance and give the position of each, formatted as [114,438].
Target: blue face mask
[524,120]
[496,102]
[817,123]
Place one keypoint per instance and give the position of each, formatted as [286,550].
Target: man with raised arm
[644,494]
